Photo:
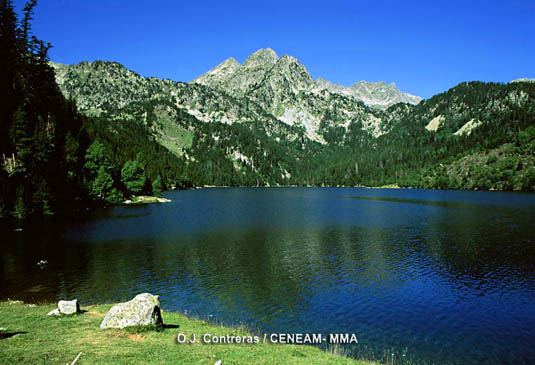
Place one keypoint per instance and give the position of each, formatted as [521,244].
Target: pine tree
[133,176]
[157,186]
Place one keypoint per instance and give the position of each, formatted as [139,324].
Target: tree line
[52,157]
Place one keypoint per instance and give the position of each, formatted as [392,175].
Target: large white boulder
[143,310]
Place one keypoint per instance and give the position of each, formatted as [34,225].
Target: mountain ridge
[374,94]
[283,132]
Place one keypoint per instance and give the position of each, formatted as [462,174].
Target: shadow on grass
[10,334]
[166,326]
[151,328]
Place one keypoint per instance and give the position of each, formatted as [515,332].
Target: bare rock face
[143,310]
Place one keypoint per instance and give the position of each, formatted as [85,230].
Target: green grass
[144,199]
[174,137]
[389,186]
[58,340]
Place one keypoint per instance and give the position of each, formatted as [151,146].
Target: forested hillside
[470,118]
[42,140]
[53,158]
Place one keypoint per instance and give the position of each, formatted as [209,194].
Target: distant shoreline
[145,199]
[388,186]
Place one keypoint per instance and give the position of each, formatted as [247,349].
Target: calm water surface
[417,275]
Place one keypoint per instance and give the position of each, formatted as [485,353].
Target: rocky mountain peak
[219,74]
[265,67]
[229,62]
[523,79]
[289,59]
[264,56]
[296,75]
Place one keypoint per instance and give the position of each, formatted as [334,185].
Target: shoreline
[388,186]
[145,199]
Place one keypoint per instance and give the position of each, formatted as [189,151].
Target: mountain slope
[281,130]
[284,88]
[221,139]
[280,99]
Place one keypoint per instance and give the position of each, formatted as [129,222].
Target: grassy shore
[389,186]
[144,199]
[42,339]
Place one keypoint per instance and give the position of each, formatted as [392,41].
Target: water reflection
[437,276]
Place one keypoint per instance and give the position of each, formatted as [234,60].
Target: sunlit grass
[30,336]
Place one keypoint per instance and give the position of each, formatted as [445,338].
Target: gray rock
[42,264]
[68,306]
[143,310]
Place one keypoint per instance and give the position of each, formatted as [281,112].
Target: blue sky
[424,47]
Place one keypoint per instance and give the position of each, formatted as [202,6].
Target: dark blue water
[419,276]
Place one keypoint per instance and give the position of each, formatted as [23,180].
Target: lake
[420,276]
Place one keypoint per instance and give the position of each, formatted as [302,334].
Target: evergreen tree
[40,134]
[157,186]
[133,176]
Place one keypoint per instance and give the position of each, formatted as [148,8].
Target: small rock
[42,264]
[68,306]
[218,362]
[54,312]
[128,201]
[143,310]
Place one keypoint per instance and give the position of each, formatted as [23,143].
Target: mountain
[220,139]
[101,87]
[283,95]
[374,94]
[238,79]
[233,127]
[450,134]
[284,88]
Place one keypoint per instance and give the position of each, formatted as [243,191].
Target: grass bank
[144,199]
[28,335]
